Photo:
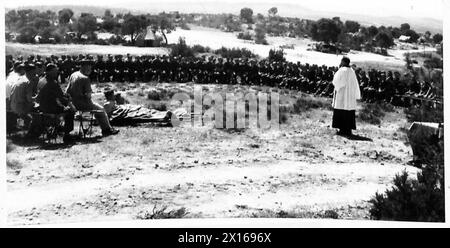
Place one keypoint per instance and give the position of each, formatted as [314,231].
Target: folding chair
[49,125]
[86,121]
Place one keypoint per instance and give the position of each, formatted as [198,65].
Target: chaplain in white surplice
[346,92]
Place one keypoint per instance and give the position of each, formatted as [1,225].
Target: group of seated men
[32,88]
[375,85]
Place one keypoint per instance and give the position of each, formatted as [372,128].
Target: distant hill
[96,10]
[284,9]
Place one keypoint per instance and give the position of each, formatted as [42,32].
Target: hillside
[289,10]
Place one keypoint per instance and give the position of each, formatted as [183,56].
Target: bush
[184,26]
[235,53]
[416,200]
[276,55]
[154,95]
[244,36]
[181,49]
[373,112]
[412,200]
[200,49]
[425,113]
[305,103]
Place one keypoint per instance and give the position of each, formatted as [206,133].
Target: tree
[27,34]
[404,27]
[437,38]
[384,40]
[325,30]
[247,15]
[276,55]
[273,11]
[86,24]
[351,26]
[260,17]
[134,25]
[260,35]
[162,23]
[108,14]
[396,32]
[427,35]
[109,24]
[372,31]
[11,19]
[40,23]
[413,36]
[64,16]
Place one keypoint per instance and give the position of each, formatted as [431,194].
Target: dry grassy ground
[302,170]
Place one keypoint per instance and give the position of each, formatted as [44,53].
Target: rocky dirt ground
[301,170]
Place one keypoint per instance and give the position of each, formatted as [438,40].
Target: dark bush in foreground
[415,200]
[276,55]
[412,200]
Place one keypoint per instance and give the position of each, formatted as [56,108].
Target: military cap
[29,67]
[84,62]
[17,64]
[50,67]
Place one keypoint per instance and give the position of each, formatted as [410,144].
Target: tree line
[64,26]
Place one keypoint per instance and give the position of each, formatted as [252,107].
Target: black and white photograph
[215,111]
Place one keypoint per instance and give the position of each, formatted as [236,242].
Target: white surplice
[346,89]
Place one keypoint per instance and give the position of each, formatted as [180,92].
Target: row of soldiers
[375,85]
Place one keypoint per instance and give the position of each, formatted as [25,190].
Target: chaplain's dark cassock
[346,92]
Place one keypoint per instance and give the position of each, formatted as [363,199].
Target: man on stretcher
[120,113]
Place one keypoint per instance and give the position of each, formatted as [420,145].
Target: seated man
[126,114]
[79,89]
[11,79]
[52,100]
[21,96]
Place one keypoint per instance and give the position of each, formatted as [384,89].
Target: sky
[404,8]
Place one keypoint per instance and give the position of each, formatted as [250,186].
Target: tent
[150,37]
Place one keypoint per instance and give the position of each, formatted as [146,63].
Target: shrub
[244,36]
[372,113]
[305,103]
[154,95]
[233,53]
[184,26]
[181,49]
[201,49]
[412,200]
[425,113]
[276,55]
[420,199]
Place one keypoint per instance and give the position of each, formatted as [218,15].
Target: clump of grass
[304,104]
[154,95]
[371,113]
[162,213]
[13,164]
